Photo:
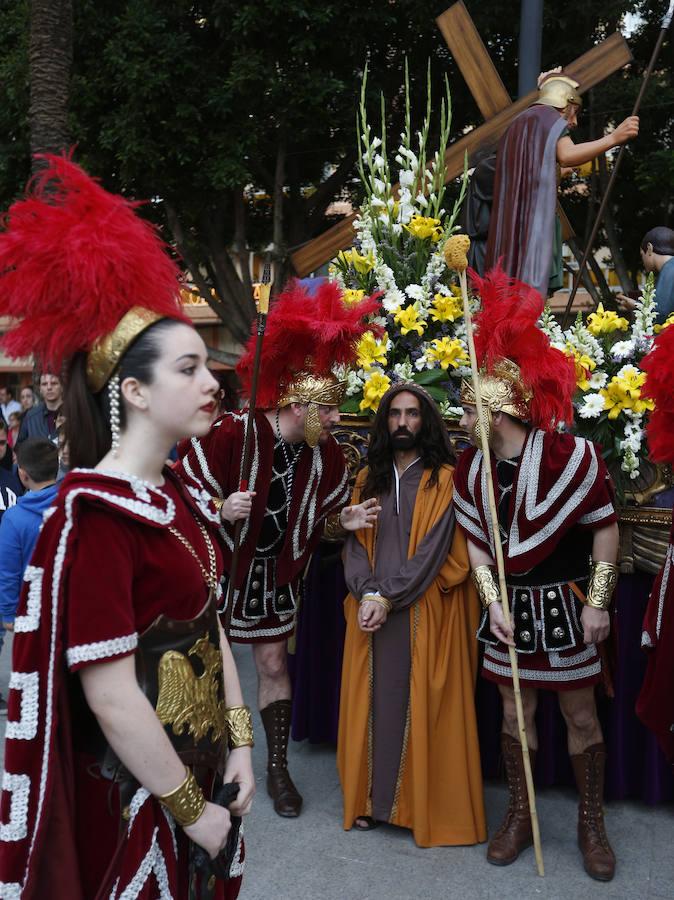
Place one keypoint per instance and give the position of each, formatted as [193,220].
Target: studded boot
[598,857]
[515,833]
[280,787]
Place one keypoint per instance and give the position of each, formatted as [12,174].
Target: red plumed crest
[506,327]
[659,387]
[305,333]
[73,260]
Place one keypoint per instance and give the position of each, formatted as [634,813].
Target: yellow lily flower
[584,365]
[408,319]
[424,227]
[373,390]
[362,264]
[351,297]
[624,392]
[605,321]
[371,351]
[668,321]
[446,309]
[447,352]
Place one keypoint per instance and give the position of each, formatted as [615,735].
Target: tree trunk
[50,54]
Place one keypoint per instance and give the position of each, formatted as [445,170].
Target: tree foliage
[237,119]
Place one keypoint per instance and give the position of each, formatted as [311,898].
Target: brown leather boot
[598,857]
[515,833]
[280,787]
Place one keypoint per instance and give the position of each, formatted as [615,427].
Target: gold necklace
[211,578]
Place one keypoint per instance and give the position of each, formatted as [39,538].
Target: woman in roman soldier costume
[655,706]
[560,539]
[124,695]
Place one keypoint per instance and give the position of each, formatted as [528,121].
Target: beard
[402,439]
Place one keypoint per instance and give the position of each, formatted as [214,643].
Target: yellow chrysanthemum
[446,309]
[373,390]
[624,392]
[605,321]
[362,264]
[447,352]
[371,351]
[351,297]
[424,227]
[408,319]
[668,321]
[584,365]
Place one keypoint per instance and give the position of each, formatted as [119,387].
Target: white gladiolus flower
[593,406]
[421,200]
[406,178]
[376,144]
[376,203]
[396,228]
[399,160]
[379,162]
[379,186]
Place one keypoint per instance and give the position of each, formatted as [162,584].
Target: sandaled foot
[364,823]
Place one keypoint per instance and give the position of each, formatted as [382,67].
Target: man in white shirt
[8,404]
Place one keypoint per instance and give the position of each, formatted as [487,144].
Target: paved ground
[312,858]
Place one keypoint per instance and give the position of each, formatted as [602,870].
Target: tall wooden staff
[262,292]
[456,253]
[666,22]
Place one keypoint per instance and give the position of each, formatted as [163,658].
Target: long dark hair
[87,415]
[434,446]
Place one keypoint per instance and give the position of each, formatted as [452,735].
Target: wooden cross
[492,100]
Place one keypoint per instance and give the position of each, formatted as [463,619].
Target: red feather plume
[506,327]
[305,332]
[73,260]
[659,387]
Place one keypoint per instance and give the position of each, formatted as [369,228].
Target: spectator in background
[38,462]
[657,255]
[40,421]
[8,404]
[27,398]
[10,491]
[14,423]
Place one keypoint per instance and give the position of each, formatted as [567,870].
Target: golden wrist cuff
[186,803]
[603,579]
[240,726]
[332,529]
[487,588]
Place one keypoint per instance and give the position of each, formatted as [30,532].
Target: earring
[113,398]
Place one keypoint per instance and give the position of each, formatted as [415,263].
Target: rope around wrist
[240,726]
[187,802]
[485,583]
[603,579]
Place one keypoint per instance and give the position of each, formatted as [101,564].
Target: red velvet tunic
[104,568]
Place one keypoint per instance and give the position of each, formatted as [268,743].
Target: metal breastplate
[179,669]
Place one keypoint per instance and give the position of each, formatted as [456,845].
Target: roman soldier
[298,487]
[560,538]
[655,706]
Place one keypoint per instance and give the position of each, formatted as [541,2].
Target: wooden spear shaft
[486,462]
[262,300]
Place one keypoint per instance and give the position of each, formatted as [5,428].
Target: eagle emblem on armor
[190,701]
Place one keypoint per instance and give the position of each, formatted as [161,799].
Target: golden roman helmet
[559,91]
[501,390]
[315,391]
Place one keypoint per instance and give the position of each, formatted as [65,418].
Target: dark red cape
[655,706]
[521,227]
[320,487]
[561,482]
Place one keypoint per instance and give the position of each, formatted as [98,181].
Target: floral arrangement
[610,404]
[401,233]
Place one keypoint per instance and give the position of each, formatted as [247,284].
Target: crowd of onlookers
[31,454]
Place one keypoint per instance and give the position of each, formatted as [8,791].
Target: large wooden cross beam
[493,102]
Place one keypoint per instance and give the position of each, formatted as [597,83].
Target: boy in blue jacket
[38,463]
